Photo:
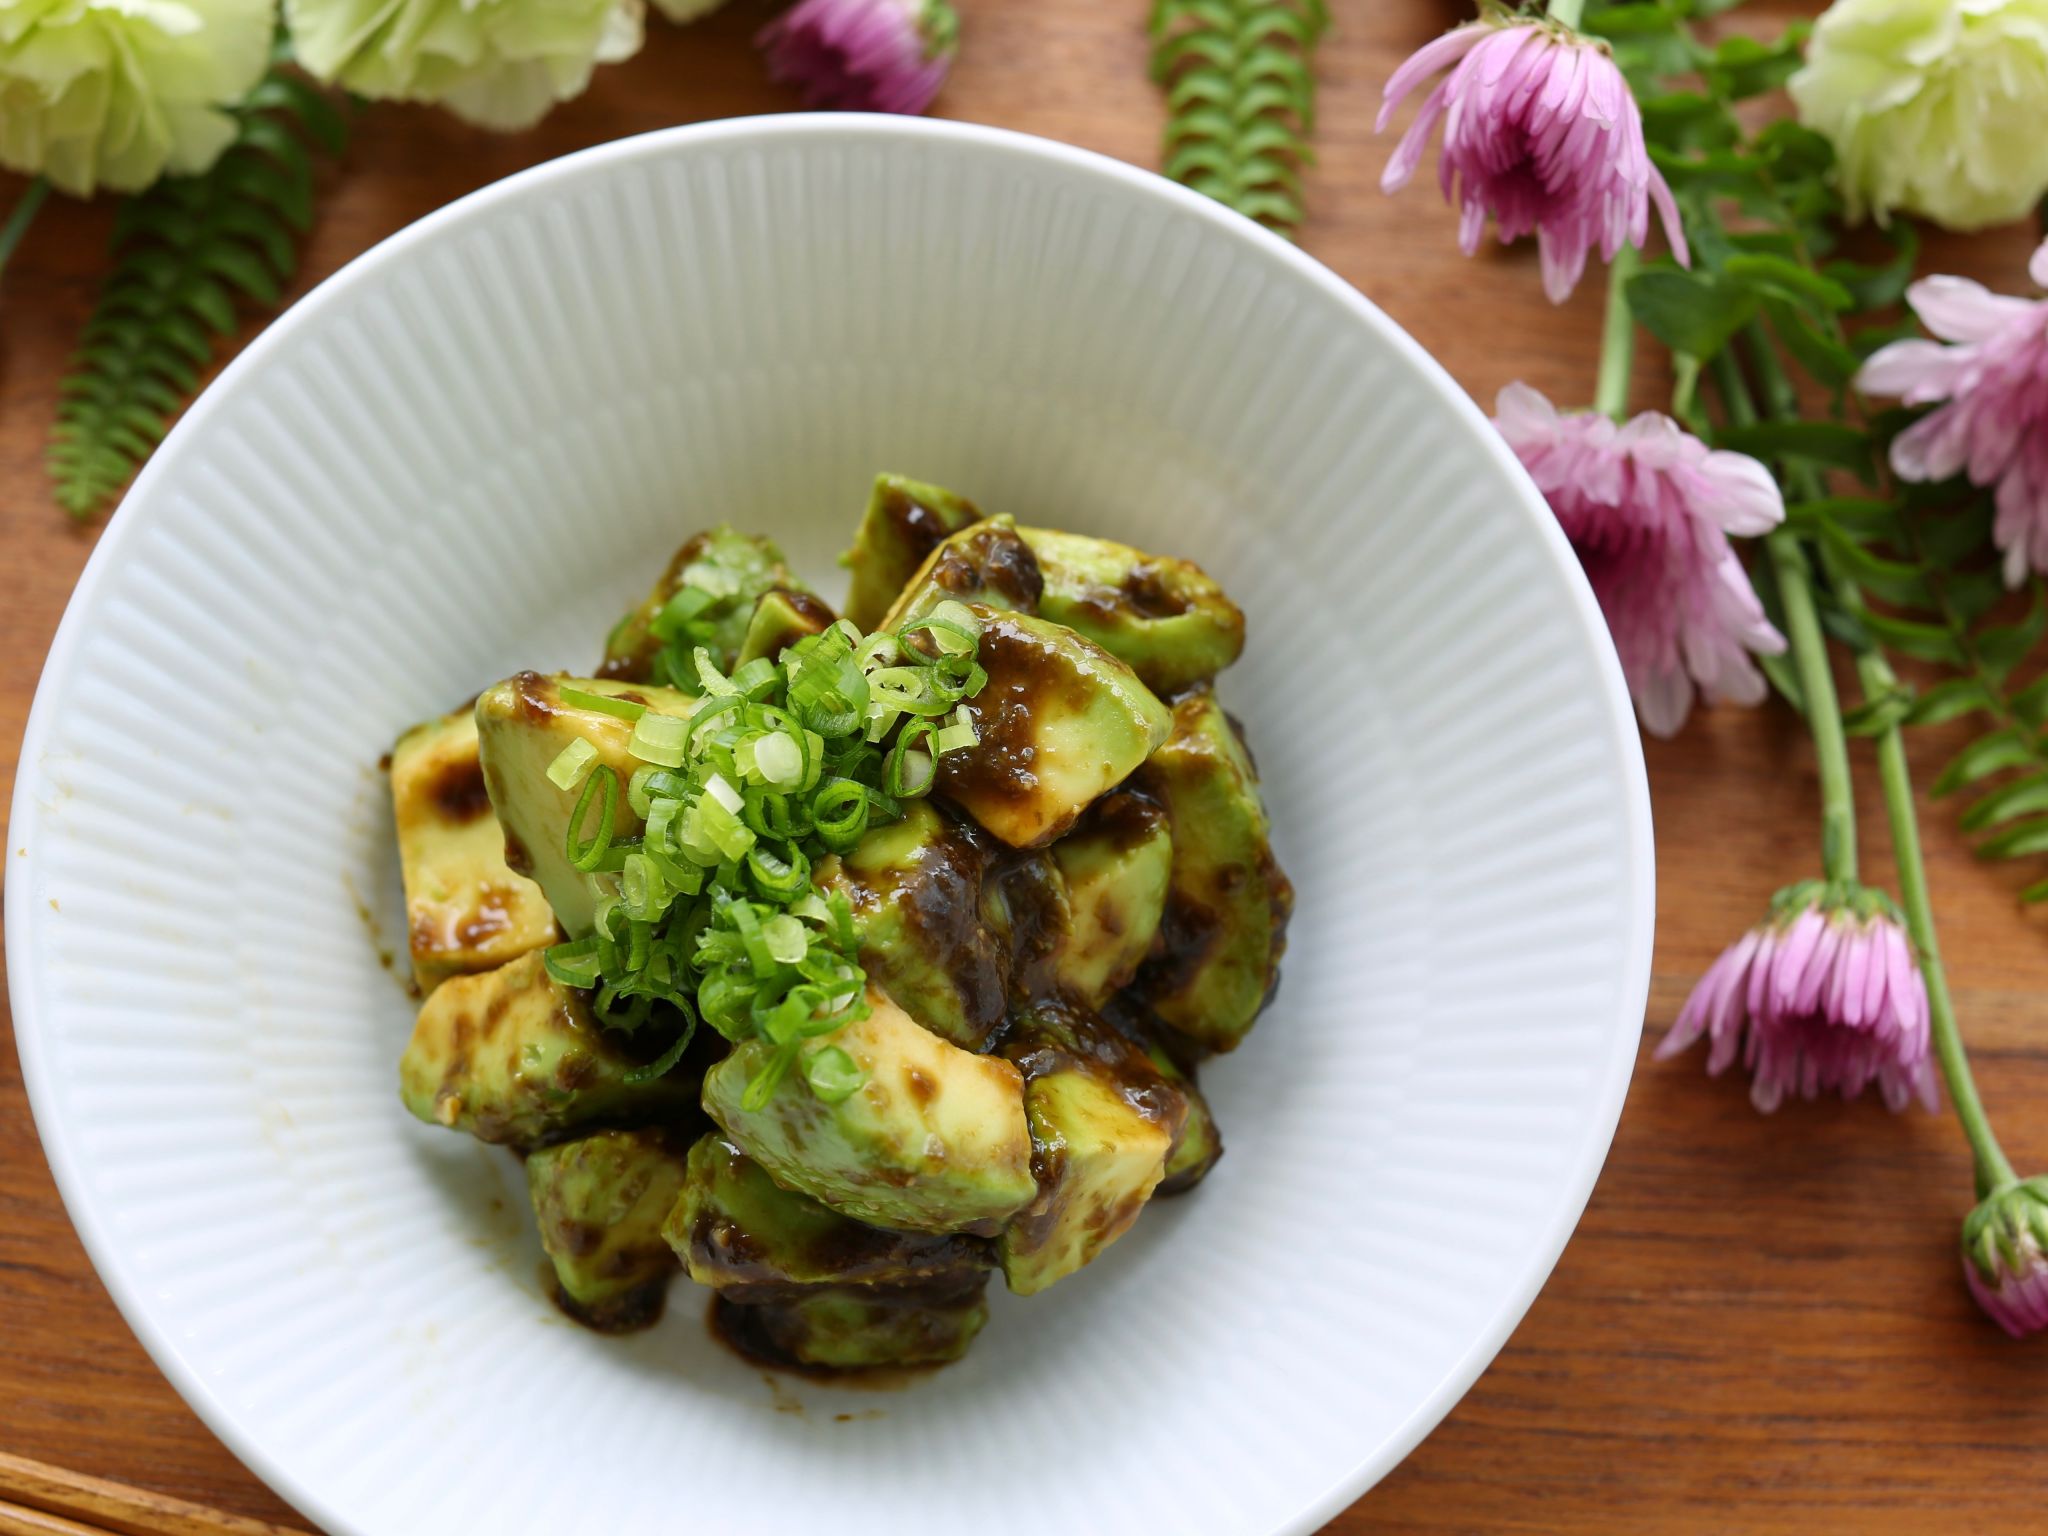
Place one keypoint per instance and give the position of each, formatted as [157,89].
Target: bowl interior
[465,456]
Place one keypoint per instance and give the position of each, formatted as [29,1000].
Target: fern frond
[1931,563]
[1240,90]
[188,254]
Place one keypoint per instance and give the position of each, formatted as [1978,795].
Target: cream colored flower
[1935,107]
[498,63]
[113,93]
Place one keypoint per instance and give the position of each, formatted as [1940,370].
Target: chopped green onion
[959,734]
[571,764]
[768,1079]
[665,1063]
[586,856]
[785,938]
[603,703]
[678,616]
[779,758]
[573,964]
[718,789]
[833,1074]
[660,739]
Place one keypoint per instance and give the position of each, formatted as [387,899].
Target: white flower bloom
[498,63]
[114,93]
[1935,107]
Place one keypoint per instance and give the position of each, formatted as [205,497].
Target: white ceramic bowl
[463,456]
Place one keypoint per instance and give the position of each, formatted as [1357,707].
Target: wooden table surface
[1759,1326]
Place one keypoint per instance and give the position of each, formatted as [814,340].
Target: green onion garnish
[571,764]
[587,856]
[832,1074]
[603,703]
[712,910]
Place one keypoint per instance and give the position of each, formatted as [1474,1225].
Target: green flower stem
[18,221]
[1823,709]
[1994,1171]
[1566,13]
[1617,337]
[1809,659]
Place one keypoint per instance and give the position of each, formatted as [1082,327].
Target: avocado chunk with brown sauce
[737,1230]
[987,563]
[1103,1122]
[513,1056]
[1115,866]
[1059,722]
[933,1140]
[720,575]
[465,910]
[858,1327]
[1227,902]
[600,1201]
[1166,619]
[905,521]
[522,726]
[917,887]
[780,619]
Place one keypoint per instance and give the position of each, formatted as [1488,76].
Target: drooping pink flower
[1823,996]
[863,55]
[1541,132]
[1649,507]
[1993,376]
[2005,1257]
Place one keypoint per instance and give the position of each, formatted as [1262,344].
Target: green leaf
[1826,361]
[1688,312]
[1849,514]
[2013,842]
[1949,699]
[1928,642]
[1741,66]
[1818,442]
[1685,120]
[1789,280]
[2000,650]
[1240,98]
[1880,287]
[2030,704]
[1894,581]
[1981,758]
[184,253]
[2025,796]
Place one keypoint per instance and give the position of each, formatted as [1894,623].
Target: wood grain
[1759,1327]
[115,1509]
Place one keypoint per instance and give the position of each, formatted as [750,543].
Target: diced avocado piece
[512,1056]
[733,570]
[1103,1121]
[465,910]
[522,726]
[1059,722]
[600,1201]
[1115,865]
[1200,1141]
[988,563]
[1165,618]
[1228,902]
[780,619]
[857,1327]
[916,887]
[735,1227]
[905,521]
[934,1139]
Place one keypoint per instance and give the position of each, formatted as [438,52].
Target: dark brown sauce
[457,791]
[1152,594]
[919,530]
[629,1312]
[1024,678]
[990,560]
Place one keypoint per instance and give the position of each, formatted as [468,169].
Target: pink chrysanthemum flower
[1649,507]
[1541,132]
[864,55]
[2005,1257]
[1823,996]
[1994,379]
